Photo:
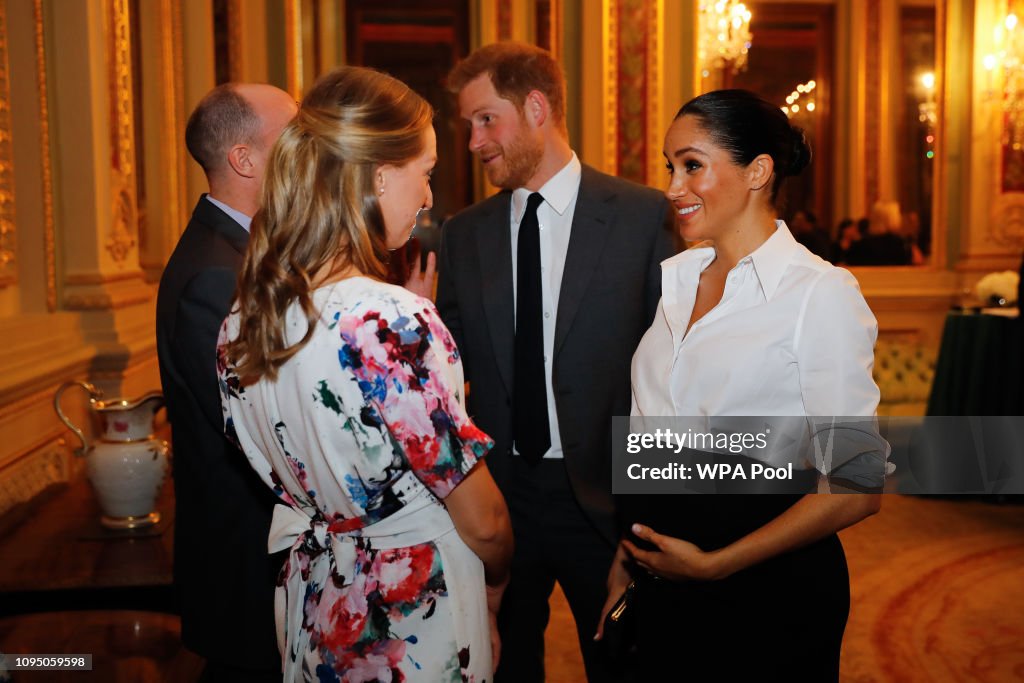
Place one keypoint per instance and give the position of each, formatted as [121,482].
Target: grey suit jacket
[610,289]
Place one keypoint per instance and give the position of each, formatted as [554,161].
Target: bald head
[230,134]
[235,114]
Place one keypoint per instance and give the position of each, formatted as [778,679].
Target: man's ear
[240,161]
[536,108]
[760,171]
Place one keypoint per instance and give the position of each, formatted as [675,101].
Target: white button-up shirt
[791,336]
[554,215]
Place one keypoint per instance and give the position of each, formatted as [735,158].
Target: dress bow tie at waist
[312,546]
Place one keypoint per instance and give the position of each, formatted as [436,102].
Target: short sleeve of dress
[410,374]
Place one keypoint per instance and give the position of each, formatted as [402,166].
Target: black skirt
[781,620]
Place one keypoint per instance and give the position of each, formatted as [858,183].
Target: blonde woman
[345,393]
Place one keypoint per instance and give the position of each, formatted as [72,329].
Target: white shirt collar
[773,257]
[770,259]
[558,192]
[236,215]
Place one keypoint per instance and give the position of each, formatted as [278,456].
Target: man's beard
[519,162]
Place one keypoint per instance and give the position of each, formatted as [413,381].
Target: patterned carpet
[938,597]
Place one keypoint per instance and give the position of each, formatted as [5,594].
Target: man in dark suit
[222,569]
[547,288]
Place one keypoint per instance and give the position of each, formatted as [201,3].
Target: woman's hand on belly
[674,558]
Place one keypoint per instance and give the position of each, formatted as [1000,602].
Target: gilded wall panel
[49,240]
[122,239]
[637,79]
[7,233]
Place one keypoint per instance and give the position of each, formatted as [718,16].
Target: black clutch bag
[620,625]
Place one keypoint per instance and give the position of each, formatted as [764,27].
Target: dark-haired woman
[345,393]
[744,587]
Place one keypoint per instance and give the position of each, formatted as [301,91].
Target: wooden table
[54,554]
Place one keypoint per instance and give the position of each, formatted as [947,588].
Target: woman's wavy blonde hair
[319,213]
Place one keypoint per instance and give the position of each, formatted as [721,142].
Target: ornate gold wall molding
[1006,224]
[655,20]
[7,224]
[122,238]
[611,66]
[638,80]
[172,104]
[49,241]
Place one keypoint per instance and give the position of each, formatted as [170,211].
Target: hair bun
[801,152]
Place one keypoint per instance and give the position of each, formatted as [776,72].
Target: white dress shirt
[554,215]
[238,216]
[792,336]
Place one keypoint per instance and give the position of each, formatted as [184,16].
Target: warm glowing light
[930,154]
[1005,78]
[928,80]
[724,35]
[800,99]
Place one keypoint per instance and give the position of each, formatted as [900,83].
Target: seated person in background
[912,238]
[848,233]
[805,229]
[883,245]
[346,395]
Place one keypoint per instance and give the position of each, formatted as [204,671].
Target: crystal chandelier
[724,38]
[1007,62]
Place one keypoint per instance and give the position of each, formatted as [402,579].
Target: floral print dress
[362,434]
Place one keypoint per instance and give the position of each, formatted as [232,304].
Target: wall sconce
[1006,62]
[724,37]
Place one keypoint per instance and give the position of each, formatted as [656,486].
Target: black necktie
[530,405]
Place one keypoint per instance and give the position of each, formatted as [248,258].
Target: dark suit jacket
[223,509]
[610,290]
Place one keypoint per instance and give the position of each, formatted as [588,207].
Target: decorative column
[163,113]
[96,213]
[96,216]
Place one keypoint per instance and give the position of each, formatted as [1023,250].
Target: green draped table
[980,370]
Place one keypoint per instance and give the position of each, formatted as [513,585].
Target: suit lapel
[590,225]
[494,245]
